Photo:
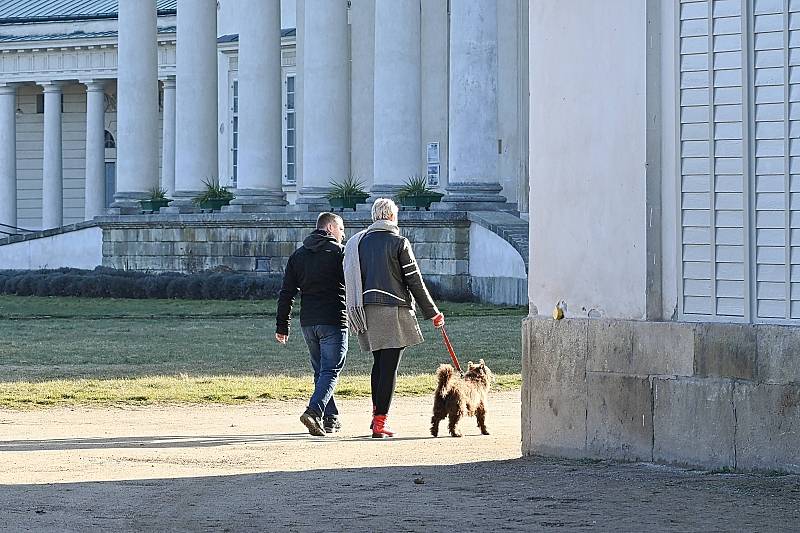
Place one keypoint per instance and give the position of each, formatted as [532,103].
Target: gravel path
[252,468]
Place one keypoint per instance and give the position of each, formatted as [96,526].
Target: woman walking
[382,281]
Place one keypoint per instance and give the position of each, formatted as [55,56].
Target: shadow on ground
[150,442]
[169,441]
[527,494]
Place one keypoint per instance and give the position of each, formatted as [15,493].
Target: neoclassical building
[100,101]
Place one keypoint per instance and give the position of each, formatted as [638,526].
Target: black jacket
[390,273]
[315,269]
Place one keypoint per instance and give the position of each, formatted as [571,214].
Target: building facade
[274,98]
[664,226]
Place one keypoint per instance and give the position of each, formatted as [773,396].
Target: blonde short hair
[383,209]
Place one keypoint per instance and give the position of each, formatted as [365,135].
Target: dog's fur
[456,397]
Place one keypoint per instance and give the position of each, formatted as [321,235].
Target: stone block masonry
[697,394]
[263,243]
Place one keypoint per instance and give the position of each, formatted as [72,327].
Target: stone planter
[154,204]
[423,201]
[214,204]
[347,202]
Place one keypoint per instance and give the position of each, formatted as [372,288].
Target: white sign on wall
[433,175]
[433,152]
[433,164]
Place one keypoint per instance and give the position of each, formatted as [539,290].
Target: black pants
[384,378]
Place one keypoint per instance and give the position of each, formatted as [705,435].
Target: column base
[383,190]
[312,199]
[254,208]
[474,197]
[474,192]
[127,203]
[184,199]
[117,211]
[444,205]
[173,209]
[309,208]
[259,197]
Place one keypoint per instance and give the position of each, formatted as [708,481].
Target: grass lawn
[63,351]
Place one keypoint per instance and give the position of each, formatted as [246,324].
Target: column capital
[94,85]
[52,86]
[8,88]
[168,81]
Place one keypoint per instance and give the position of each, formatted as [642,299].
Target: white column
[196,157]
[435,42]
[473,139]
[137,103]
[325,96]
[168,138]
[260,136]
[8,156]
[362,90]
[52,169]
[95,182]
[397,99]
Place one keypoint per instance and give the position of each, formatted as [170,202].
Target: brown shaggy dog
[456,397]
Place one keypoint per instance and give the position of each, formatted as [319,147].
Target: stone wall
[710,395]
[263,243]
[73,246]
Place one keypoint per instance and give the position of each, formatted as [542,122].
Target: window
[110,142]
[235,131]
[290,132]
[739,177]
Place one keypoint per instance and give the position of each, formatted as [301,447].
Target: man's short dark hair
[327,218]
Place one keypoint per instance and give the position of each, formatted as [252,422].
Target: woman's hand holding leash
[438,320]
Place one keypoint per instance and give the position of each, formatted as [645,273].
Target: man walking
[315,269]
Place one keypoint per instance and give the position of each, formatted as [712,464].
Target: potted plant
[347,194]
[416,193]
[214,196]
[156,200]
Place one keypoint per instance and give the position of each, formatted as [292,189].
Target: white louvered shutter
[713,159]
[776,101]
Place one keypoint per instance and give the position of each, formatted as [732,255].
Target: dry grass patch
[199,389]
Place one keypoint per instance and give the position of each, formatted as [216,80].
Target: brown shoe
[313,423]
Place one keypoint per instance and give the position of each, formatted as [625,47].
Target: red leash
[450,349]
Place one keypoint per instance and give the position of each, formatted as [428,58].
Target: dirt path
[223,468]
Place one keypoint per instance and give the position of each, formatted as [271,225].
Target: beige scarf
[354,290]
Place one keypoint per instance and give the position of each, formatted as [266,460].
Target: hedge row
[105,282]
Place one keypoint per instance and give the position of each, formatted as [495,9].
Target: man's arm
[289,290]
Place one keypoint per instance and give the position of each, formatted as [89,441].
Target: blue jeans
[327,346]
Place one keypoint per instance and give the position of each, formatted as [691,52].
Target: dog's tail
[445,374]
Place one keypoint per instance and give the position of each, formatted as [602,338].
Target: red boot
[372,423]
[379,429]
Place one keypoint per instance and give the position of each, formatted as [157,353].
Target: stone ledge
[48,232]
[619,418]
[304,219]
[694,422]
[680,349]
[640,348]
[767,426]
[555,386]
[778,354]
[726,350]
[724,414]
